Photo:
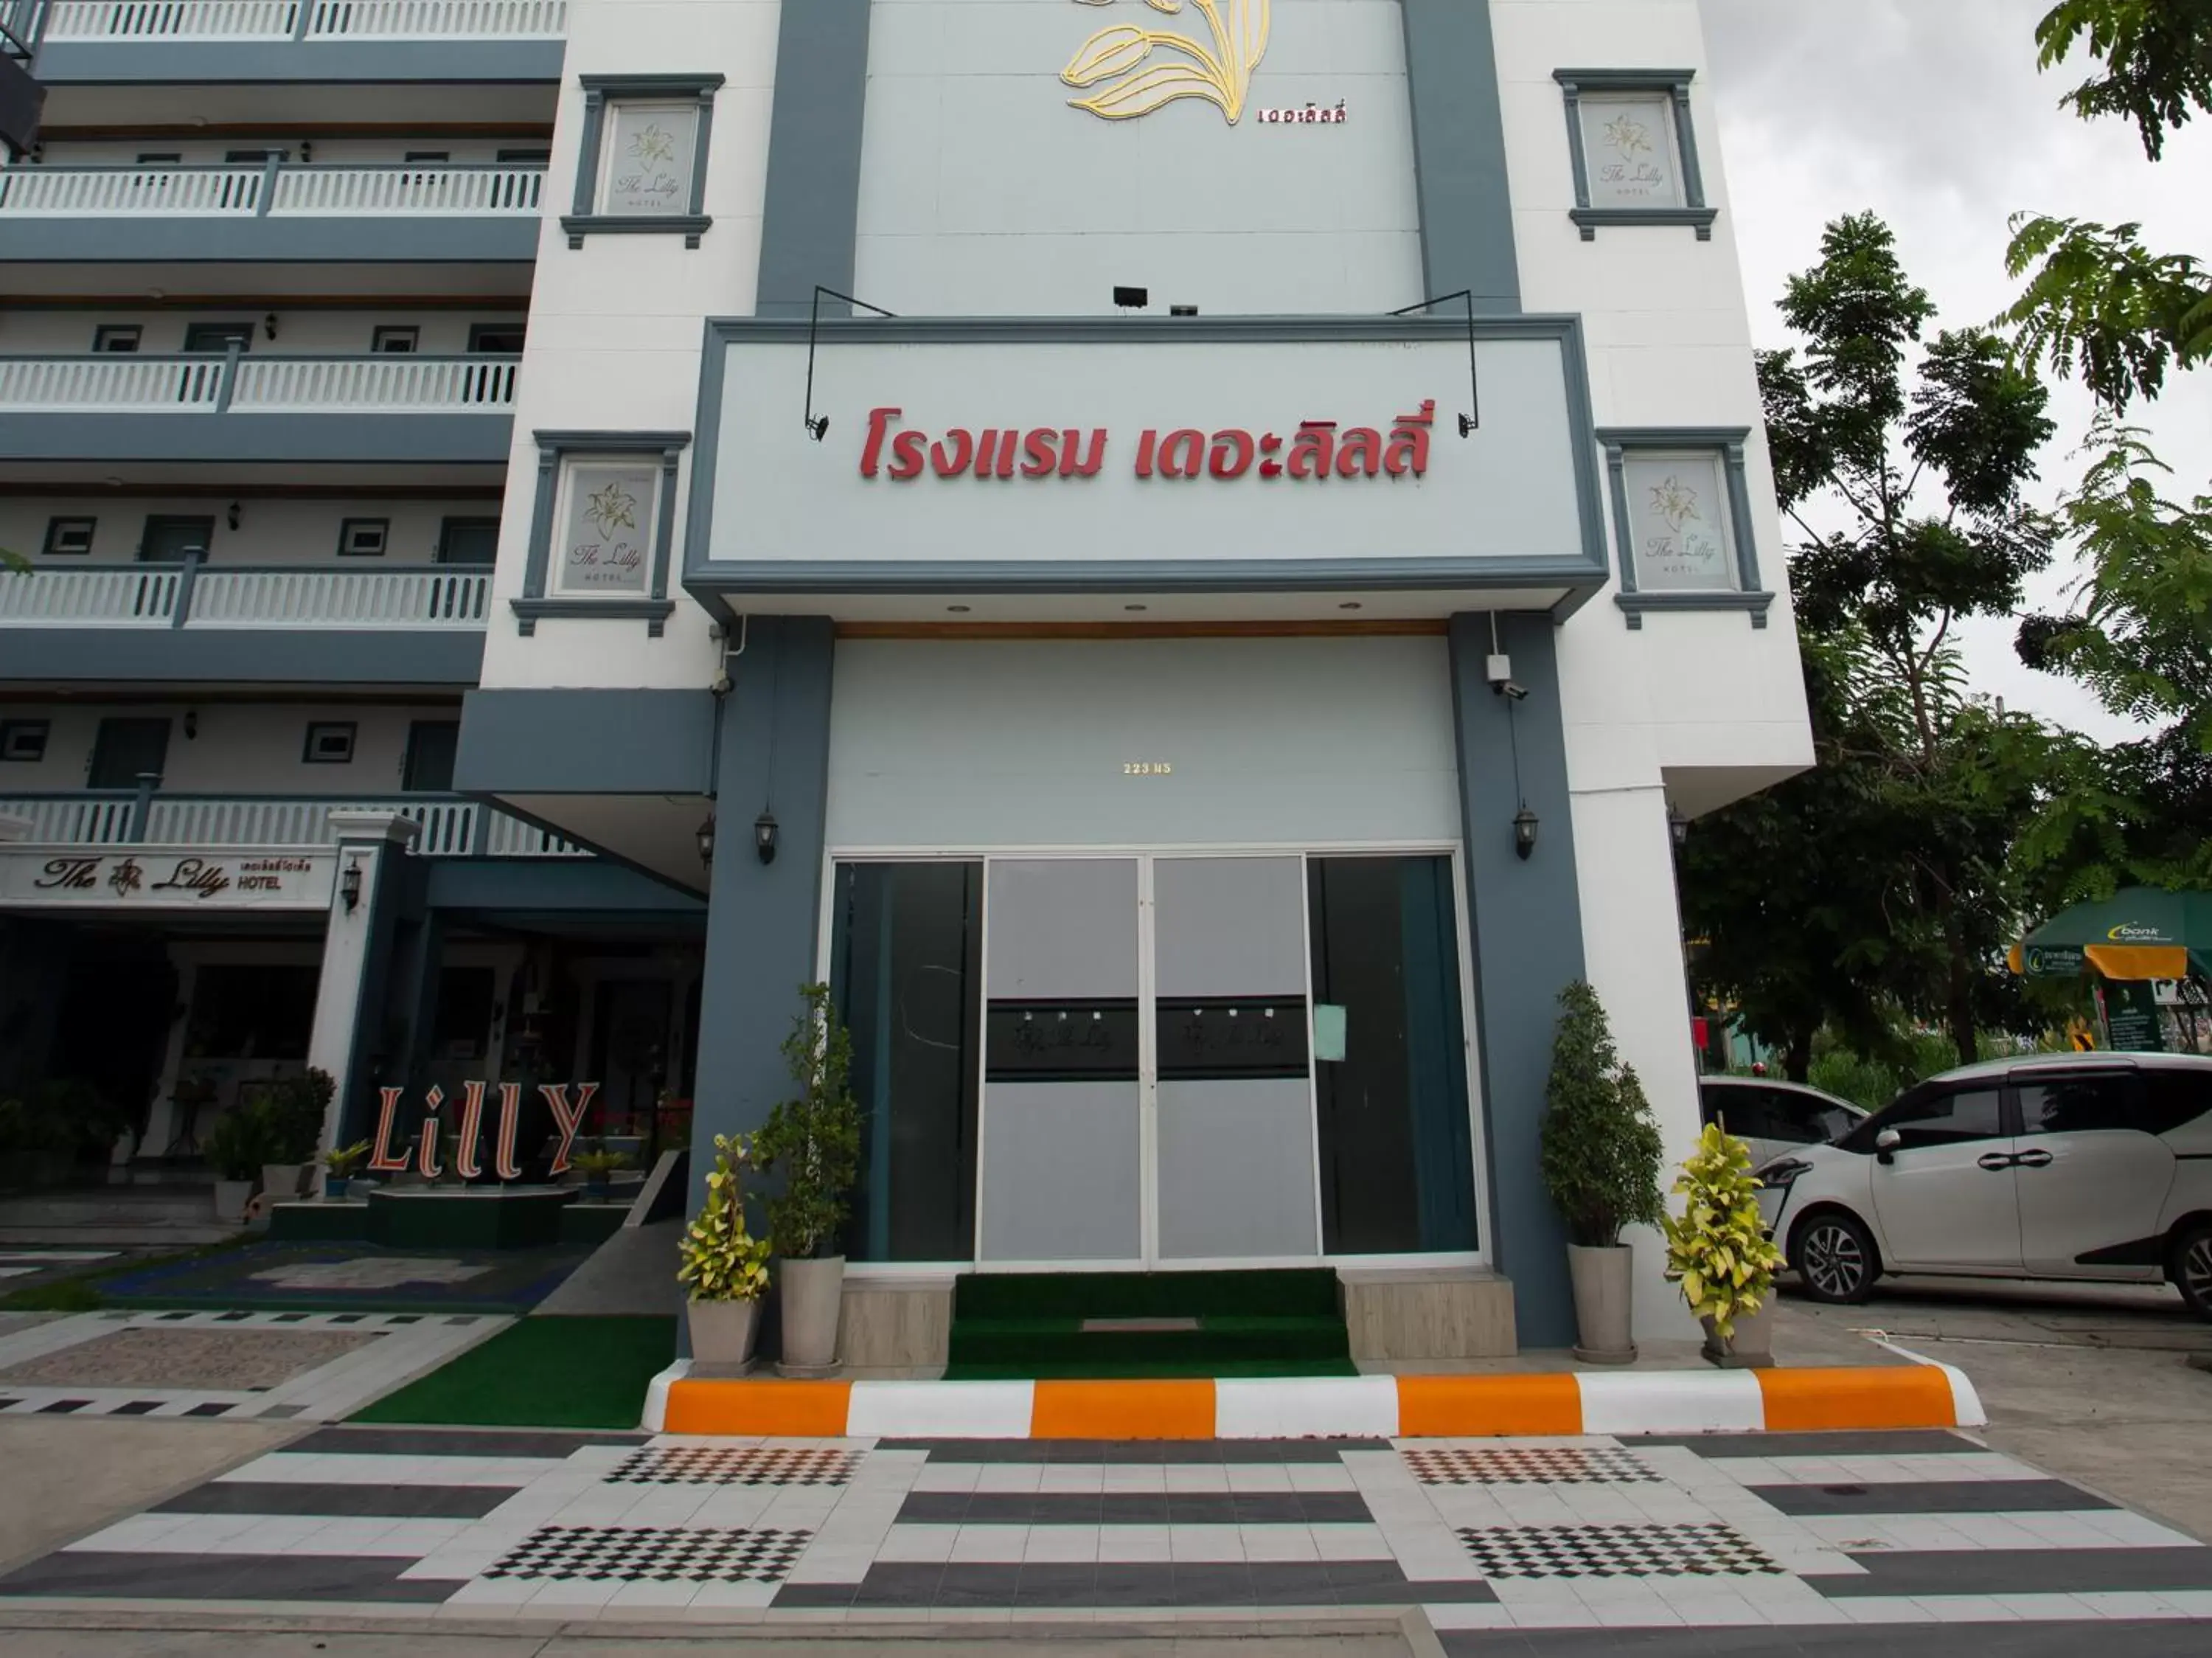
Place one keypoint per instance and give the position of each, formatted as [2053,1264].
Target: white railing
[312,20]
[107,192]
[328,190]
[391,384]
[69,193]
[438,19]
[172,20]
[186,385]
[132,596]
[392,599]
[448,826]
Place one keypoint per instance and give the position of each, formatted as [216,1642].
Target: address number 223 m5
[1147,769]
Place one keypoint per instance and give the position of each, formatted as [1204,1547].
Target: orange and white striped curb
[1917,1395]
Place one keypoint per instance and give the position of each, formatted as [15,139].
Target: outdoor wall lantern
[350,888]
[705,835]
[236,512]
[269,324]
[1677,825]
[764,836]
[1524,832]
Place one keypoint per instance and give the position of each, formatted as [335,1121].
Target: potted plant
[293,1110]
[237,1147]
[723,1265]
[814,1138]
[1719,1253]
[339,1164]
[598,1167]
[1601,1152]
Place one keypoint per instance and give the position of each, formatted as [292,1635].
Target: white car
[2097,1169]
[1775,1117]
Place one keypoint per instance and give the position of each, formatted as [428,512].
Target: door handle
[2037,1158]
[1996,1161]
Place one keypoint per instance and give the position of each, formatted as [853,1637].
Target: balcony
[327,41]
[303,624]
[238,408]
[451,825]
[201,215]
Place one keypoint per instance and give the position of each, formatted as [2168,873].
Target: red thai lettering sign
[1315,452]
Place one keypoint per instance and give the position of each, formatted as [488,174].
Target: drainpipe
[229,385]
[194,556]
[142,809]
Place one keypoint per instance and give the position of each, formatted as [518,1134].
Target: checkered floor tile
[1566,1465]
[1651,1550]
[654,1554]
[764,1465]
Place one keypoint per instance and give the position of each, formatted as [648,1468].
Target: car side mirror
[1885,1144]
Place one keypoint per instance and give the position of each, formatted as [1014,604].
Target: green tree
[2155,57]
[1601,1147]
[1883,879]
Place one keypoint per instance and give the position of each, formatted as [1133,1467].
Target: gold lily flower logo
[611,508]
[653,143]
[1676,502]
[1629,136]
[1136,70]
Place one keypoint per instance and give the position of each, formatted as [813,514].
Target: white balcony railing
[288,385]
[306,20]
[436,597]
[134,595]
[449,825]
[409,385]
[397,599]
[245,193]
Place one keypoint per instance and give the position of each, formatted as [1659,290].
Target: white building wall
[246,749]
[616,326]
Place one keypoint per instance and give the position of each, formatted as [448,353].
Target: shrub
[293,1110]
[1601,1150]
[1718,1250]
[815,1138]
[240,1142]
[721,1260]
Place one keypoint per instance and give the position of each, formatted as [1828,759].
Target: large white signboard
[1068,452]
[166,878]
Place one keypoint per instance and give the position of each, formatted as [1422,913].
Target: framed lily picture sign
[643,166]
[604,522]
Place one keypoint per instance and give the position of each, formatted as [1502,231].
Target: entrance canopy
[2139,933]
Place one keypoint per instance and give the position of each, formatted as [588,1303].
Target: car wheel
[1834,1258]
[2191,1268]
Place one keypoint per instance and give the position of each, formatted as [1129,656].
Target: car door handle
[2036,1158]
[1996,1161]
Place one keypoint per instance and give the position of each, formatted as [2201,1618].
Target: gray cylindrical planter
[1752,1347]
[813,1292]
[231,1198]
[1604,1303]
[723,1333]
[283,1181]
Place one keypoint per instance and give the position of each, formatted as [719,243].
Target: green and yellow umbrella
[2139,933]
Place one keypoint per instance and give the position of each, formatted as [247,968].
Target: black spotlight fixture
[764,836]
[704,834]
[1524,833]
[818,428]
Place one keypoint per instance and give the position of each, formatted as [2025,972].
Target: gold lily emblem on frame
[1137,70]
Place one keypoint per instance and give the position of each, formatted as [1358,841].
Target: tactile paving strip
[710,1464]
[656,1554]
[1645,1550]
[1566,1465]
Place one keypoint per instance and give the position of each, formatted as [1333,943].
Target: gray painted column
[1527,944]
[349,998]
[1459,153]
[761,917]
[811,218]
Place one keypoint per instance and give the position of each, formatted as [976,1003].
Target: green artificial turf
[541,1372]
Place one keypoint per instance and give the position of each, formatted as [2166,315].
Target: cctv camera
[720,687]
[1518,693]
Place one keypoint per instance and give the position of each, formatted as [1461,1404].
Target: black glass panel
[1397,1154]
[906,958]
[1225,1038]
[1093,1040]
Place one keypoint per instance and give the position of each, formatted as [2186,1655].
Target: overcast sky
[1931,114]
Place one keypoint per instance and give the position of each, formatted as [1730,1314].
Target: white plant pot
[723,1333]
[1752,1347]
[1604,1303]
[231,1198]
[283,1181]
[813,1293]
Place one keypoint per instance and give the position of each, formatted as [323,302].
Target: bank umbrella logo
[1137,70]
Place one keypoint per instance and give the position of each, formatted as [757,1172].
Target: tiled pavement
[1801,1539]
[313,1367]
